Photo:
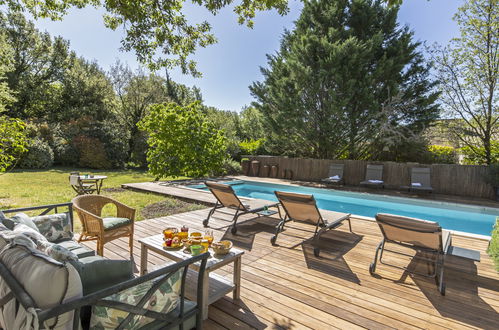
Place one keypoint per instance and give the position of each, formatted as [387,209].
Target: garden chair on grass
[335,174]
[80,187]
[103,229]
[420,180]
[226,197]
[303,208]
[374,176]
[425,237]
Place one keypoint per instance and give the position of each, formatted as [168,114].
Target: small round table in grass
[94,179]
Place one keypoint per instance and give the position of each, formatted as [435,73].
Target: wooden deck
[287,287]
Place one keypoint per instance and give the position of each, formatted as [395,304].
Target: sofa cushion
[34,271]
[55,227]
[81,251]
[164,300]
[97,273]
[33,234]
[113,223]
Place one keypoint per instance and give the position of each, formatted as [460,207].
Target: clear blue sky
[231,65]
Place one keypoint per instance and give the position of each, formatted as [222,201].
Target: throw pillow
[164,300]
[55,227]
[59,253]
[34,235]
[24,219]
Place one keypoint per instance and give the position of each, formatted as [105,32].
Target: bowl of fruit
[172,243]
[222,247]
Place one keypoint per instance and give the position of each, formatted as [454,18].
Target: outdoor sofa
[48,280]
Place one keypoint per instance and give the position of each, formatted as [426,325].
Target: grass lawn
[23,188]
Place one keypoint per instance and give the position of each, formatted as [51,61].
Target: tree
[468,70]
[158,31]
[38,65]
[345,70]
[182,142]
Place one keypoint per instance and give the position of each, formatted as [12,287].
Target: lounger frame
[241,209]
[320,227]
[435,263]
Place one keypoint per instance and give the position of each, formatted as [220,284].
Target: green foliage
[12,141]
[251,147]
[182,142]
[228,122]
[39,155]
[347,82]
[6,97]
[493,249]
[37,67]
[468,71]
[477,154]
[442,154]
[154,27]
[229,167]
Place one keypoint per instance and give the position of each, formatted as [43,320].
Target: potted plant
[245,164]
[493,178]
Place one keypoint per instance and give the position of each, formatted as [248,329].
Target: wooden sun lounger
[422,176]
[226,197]
[423,236]
[303,208]
[374,172]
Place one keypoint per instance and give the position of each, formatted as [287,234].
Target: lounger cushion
[164,299]
[48,282]
[113,223]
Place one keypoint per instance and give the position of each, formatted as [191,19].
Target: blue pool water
[471,219]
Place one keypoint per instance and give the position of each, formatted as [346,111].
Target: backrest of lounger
[225,195]
[421,233]
[336,169]
[374,172]
[421,175]
[299,207]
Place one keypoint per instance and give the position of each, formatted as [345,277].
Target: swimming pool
[465,218]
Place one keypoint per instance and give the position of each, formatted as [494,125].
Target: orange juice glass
[205,244]
[169,232]
[208,235]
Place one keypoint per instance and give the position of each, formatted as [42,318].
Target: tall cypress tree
[347,82]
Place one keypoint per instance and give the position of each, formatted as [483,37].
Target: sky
[233,64]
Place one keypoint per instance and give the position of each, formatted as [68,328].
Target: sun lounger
[420,180]
[426,237]
[303,208]
[335,174]
[374,176]
[226,197]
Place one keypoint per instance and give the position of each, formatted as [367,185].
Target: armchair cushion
[97,272]
[164,300]
[55,227]
[113,223]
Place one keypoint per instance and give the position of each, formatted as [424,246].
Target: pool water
[465,218]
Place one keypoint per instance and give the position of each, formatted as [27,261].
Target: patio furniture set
[86,184]
[420,177]
[89,290]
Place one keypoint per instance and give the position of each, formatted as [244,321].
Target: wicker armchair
[95,227]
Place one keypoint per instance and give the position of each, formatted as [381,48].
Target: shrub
[251,147]
[92,152]
[65,153]
[493,175]
[442,154]
[476,155]
[229,167]
[39,155]
[493,249]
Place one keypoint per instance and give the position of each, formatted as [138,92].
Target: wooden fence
[462,180]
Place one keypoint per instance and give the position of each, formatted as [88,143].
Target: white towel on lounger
[416,184]
[375,181]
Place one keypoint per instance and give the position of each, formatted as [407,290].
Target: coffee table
[214,286]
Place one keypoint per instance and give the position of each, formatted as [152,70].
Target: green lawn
[23,188]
